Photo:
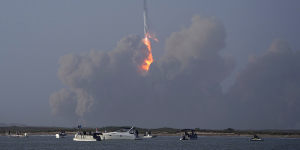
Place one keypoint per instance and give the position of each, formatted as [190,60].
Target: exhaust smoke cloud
[108,85]
[182,88]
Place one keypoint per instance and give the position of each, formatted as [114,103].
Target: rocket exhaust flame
[146,40]
[149,58]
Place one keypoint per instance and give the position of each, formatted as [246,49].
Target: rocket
[145,18]
[148,59]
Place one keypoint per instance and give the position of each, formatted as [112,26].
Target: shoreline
[30,130]
[177,134]
[235,135]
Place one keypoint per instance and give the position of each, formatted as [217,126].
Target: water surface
[159,143]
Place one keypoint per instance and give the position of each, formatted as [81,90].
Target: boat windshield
[123,130]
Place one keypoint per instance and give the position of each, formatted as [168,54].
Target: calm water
[159,143]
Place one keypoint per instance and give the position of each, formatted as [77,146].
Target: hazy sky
[40,41]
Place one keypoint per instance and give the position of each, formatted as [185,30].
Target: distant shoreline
[158,131]
[177,135]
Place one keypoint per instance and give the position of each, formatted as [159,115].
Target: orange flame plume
[149,58]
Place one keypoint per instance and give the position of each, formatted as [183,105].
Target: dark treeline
[164,130]
[29,129]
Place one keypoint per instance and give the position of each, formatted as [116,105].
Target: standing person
[136,132]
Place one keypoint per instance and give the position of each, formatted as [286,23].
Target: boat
[18,135]
[189,134]
[148,135]
[87,136]
[82,136]
[122,134]
[256,138]
[61,135]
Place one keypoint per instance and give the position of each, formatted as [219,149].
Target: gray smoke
[266,93]
[107,88]
[189,74]
[183,86]
[99,80]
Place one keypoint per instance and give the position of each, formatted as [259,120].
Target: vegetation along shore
[157,131]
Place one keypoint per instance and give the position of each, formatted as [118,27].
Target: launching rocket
[146,40]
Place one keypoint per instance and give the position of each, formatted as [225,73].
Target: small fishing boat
[61,135]
[189,134]
[148,135]
[256,138]
[18,135]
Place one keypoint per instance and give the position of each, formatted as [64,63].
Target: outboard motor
[97,136]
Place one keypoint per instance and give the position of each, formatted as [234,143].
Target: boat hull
[256,139]
[149,136]
[87,138]
[119,136]
[58,136]
[25,135]
[84,139]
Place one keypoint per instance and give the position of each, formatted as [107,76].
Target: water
[159,143]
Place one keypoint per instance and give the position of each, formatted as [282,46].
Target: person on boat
[183,137]
[136,132]
[193,135]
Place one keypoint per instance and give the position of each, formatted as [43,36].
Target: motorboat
[61,135]
[189,134]
[122,134]
[256,138]
[148,135]
[18,135]
[82,136]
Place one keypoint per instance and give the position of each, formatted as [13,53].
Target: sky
[217,64]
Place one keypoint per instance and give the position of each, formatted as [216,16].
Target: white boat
[87,137]
[18,135]
[60,135]
[148,135]
[256,138]
[123,134]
